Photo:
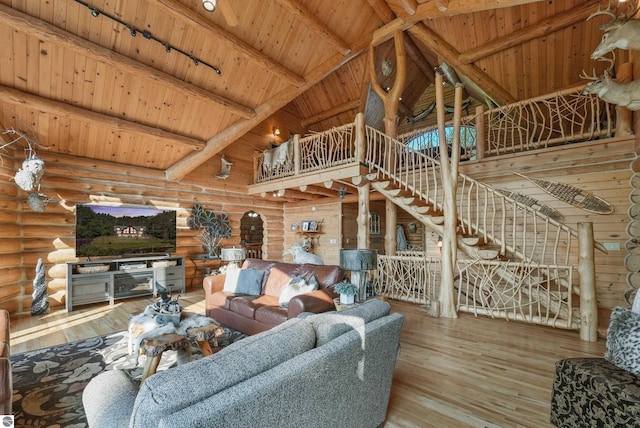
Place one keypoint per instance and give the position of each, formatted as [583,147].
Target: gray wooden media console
[108,280]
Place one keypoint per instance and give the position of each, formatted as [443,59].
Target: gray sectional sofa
[319,370]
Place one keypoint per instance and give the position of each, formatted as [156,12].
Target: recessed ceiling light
[209,5]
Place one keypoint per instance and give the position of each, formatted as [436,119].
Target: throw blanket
[278,156]
[150,329]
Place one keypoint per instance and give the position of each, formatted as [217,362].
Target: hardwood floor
[467,372]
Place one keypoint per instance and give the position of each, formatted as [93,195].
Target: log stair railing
[491,225]
[412,180]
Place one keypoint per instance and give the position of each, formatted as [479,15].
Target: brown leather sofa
[254,314]
[6,387]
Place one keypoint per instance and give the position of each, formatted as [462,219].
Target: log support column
[390,235]
[587,271]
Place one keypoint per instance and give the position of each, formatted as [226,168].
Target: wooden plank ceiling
[74,77]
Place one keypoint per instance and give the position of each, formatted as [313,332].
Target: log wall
[326,240]
[26,235]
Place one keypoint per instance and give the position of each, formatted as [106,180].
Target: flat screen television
[124,231]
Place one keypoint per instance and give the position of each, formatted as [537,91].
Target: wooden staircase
[433,220]
[491,228]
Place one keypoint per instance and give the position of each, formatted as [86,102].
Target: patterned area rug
[48,383]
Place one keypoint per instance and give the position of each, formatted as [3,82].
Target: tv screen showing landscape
[122,231]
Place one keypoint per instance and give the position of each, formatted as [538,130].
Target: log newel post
[361,139]
[296,154]
[480,132]
[586,269]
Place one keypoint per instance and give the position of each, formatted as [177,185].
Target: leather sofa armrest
[213,284]
[4,328]
[316,302]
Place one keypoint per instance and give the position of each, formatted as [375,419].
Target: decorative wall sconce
[276,131]
[412,227]
[341,192]
[439,241]
[209,5]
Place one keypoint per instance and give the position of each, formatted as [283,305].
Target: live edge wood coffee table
[153,348]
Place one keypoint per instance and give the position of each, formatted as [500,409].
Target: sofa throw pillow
[243,281]
[231,280]
[295,287]
[250,282]
[623,340]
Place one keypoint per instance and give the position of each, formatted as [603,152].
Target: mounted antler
[622,94]
[604,12]
[621,32]
[585,76]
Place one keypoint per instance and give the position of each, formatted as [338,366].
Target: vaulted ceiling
[166,85]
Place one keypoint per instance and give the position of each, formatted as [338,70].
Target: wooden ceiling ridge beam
[332,112]
[439,46]
[182,12]
[47,32]
[310,20]
[218,143]
[46,105]
[539,29]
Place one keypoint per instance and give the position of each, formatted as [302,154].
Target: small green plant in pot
[347,292]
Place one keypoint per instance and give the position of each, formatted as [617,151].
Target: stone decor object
[40,298]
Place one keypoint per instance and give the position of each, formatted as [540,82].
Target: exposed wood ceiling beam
[434,42]
[442,5]
[403,7]
[343,108]
[310,20]
[235,131]
[320,191]
[440,47]
[539,29]
[432,9]
[16,97]
[296,194]
[47,32]
[182,12]
[416,56]
[382,9]
[386,15]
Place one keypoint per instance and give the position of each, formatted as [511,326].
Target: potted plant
[347,292]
